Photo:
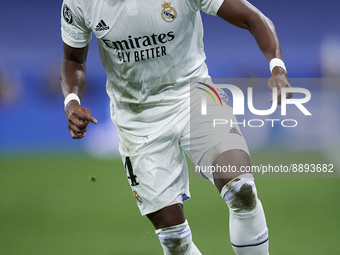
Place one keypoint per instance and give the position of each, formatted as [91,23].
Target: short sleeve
[208,6]
[74,31]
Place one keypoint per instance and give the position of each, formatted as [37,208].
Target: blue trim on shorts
[185,197]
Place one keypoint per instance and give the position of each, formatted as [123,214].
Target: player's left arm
[242,14]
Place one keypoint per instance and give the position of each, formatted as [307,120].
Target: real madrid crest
[168,14]
[138,198]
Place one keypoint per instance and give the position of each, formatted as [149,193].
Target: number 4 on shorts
[132,177]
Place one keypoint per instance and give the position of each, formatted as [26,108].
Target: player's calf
[177,240]
[248,228]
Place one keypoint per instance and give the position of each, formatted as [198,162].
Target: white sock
[247,222]
[177,240]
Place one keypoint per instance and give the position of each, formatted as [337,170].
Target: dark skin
[73,79]
[239,13]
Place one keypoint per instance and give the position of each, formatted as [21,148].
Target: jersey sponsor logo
[137,197]
[138,42]
[102,26]
[69,31]
[168,13]
[67,14]
[153,46]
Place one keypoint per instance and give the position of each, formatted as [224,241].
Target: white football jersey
[150,49]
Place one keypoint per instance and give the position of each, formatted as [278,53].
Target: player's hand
[78,119]
[278,80]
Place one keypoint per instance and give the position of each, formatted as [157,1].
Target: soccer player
[151,50]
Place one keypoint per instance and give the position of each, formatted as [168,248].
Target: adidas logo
[234,131]
[102,26]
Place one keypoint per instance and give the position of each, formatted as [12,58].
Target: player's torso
[137,30]
[145,40]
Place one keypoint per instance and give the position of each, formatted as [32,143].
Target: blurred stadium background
[49,206]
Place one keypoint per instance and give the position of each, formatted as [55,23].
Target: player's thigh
[156,168]
[211,138]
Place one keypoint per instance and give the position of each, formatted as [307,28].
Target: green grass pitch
[48,205]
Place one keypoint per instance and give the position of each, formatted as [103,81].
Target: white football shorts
[156,165]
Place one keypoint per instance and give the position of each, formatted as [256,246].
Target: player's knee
[240,194]
[176,239]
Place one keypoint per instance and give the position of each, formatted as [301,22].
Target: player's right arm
[73,80]
[243,14]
